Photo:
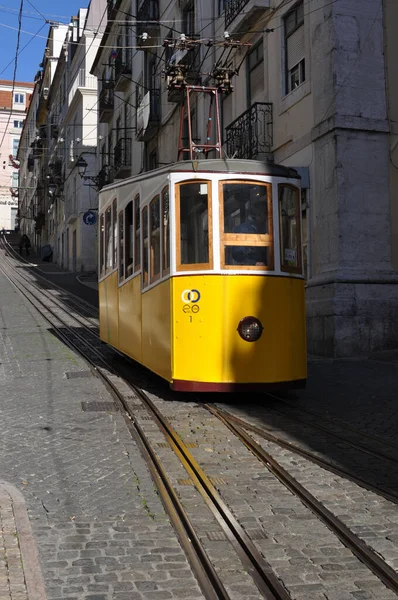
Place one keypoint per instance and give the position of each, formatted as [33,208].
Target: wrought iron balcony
[123,65]
[106,102]
[122,156]
[241,14]
[250,135]
[148,19]
[148,115]
[111,5]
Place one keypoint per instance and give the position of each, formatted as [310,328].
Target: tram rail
[131,399]
[365,554]
[269,434]
[265,579]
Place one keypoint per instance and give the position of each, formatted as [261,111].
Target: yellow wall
[130,318]
[108,306]
[156,329]
[207,346]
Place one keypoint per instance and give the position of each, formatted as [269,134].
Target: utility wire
[23,48]
[15,69]
[41,14]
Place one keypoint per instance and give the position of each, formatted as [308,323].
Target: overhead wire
[15,68]
[37,10]
[23,48]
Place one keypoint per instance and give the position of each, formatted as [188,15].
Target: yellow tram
[200,274]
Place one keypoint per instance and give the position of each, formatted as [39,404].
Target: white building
[318,91]
[66,128]
[14,102]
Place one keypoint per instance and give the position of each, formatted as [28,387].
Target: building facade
[307,84]
[14,103]
[316,89]
[63,128]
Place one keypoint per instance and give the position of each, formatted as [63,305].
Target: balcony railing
[82,80]
[122,154]
[148,18]
[244,11]
[123,65]
[148,115]
[110,7]
[250,135]
[106,101]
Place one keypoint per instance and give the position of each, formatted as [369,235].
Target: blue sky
[33,23]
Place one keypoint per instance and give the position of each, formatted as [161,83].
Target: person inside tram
[256,222]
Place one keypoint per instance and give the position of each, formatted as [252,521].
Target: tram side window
[121,244]
[137,227]
[154,226]
[166,231]
[289,223]
[108,239]
[194,224]
[145,248]
[129,242]
[114,236]
[102,245]
[247,225]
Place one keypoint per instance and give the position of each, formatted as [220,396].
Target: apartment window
[19,98]
[255,63]
[15,144]
[221,6]
[188,20]
[14,179]
[18,124]
[294,47]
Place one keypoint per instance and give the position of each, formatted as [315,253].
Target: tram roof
[233,165]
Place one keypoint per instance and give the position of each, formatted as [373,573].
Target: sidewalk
[81,284]
[100,527]
[20,574]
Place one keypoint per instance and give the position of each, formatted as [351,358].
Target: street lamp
[81,166]
[52,189]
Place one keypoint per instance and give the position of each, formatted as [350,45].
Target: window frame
[137,235]
[247,239]
[128,241]
[108,246]
[121,243]
[286,269]
[102,245]
[153,277]
[166,245]
[19,98]
[301,64]
[114,235]
[144,280]
[259,59]
[198,266]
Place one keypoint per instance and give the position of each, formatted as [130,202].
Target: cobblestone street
[80,516]
[99,526]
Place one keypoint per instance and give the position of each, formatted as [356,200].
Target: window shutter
[257,83]
[295,48]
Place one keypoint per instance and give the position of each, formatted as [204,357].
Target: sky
[34,32]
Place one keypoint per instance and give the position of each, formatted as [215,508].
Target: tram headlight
[250,329]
